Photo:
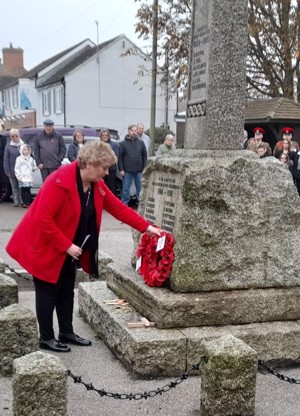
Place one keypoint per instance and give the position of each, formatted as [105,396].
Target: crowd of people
[287,150]
[49,150]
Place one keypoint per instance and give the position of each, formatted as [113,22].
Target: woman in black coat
[78,142]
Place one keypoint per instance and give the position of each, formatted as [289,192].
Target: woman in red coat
[60,229]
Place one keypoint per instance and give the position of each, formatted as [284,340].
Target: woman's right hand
[74,251]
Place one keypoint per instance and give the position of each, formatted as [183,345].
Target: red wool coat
[47,230]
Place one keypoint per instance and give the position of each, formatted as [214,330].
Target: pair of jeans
[126,182]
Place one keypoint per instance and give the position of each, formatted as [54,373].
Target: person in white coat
[25,165]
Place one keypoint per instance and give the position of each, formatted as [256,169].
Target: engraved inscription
[161,205]
[201,42]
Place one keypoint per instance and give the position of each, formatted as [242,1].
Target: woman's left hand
[154,230]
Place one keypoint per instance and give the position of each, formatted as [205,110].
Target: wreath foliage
[156,265]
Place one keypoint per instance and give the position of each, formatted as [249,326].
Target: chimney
[13,64]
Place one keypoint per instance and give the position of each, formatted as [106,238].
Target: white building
[88,85]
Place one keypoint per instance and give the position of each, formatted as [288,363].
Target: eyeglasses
[287,134]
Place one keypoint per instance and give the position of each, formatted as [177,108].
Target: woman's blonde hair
[96,153]
[14,132]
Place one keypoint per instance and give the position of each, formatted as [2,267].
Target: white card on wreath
[138,263]
[161,243]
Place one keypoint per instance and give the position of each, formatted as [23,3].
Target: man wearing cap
[287,133]
[258,136]
[49,149]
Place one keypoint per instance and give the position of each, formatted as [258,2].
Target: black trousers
[26,195]
[59,296]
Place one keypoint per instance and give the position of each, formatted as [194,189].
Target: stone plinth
[170,309]
[18,335]
[154,352]
[39,386]
[8,291]
[228,378]
[225,211]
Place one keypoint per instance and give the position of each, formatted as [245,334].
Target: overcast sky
[44,28]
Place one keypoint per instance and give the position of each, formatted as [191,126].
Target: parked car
[28,135]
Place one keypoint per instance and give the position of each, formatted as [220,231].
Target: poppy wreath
[156,265]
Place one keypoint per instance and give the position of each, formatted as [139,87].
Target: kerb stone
[18,335]
[8,291]
[39,386]
[228,378]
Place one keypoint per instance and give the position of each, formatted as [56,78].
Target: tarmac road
[98,365]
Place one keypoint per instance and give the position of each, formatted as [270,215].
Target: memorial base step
[153,352]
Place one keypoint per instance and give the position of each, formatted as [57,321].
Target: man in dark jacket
[132,161]
[49,149]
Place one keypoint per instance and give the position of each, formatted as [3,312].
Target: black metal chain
[21,339]
[280,376]
[145,395]
[29,279]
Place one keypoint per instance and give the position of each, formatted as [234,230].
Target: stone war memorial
[236,270]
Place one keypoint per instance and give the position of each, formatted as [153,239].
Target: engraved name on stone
[160,207]
[199,61]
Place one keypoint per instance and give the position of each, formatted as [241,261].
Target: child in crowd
[261,151]
[25,165]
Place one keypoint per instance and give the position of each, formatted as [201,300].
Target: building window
[58,95]
[46,96]
[7,99]
[15,101]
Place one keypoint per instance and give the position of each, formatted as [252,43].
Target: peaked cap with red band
[288,130]
[258,129]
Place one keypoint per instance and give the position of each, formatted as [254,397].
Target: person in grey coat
[11,152]
[49,149]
